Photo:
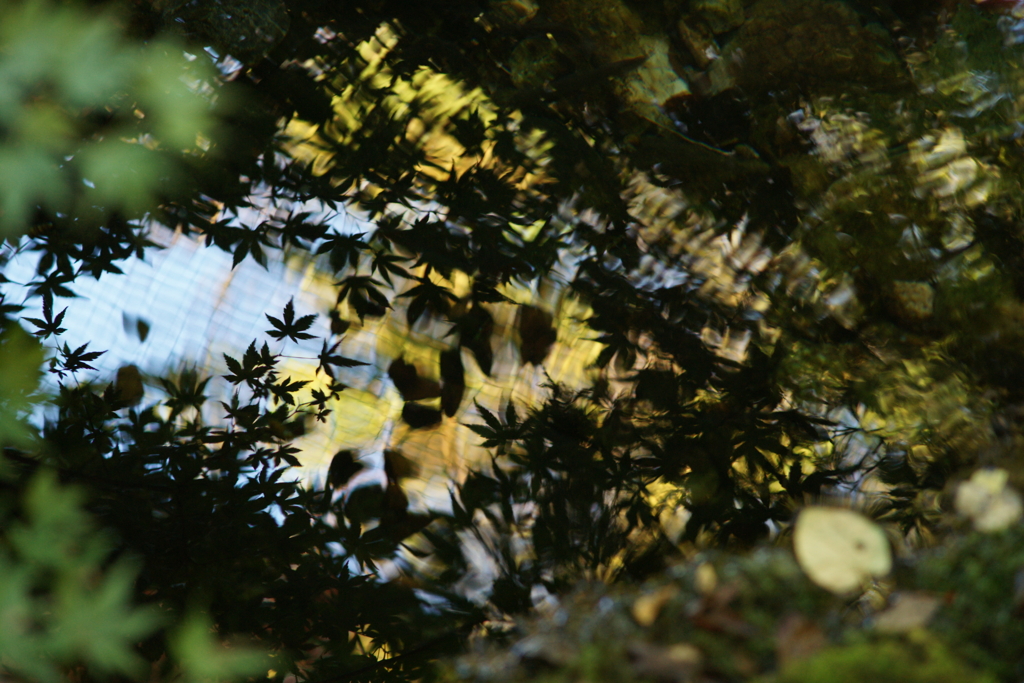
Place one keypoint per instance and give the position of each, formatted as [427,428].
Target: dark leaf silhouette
[364,295]
[344,250]
[328,359]
[288,326]
[69,360]
[49,326]
[427,295]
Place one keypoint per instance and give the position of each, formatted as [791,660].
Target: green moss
[982,578]
[883,662]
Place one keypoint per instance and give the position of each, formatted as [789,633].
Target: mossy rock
[756,617]
[718,613]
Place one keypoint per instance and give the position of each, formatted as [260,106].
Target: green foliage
[204,660]
[82,106]
[20,356]
[63,604]
[65,601]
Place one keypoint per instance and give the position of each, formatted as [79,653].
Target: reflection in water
[813,173]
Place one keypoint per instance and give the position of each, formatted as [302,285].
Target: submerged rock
[513,11]
[812,46]
[245,29]
[701,46]
[615,33]
[912,302]
[721,15]
[536,61]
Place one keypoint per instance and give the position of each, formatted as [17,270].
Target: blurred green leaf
[60,604]
[123,173]
[204,659]
[20,357]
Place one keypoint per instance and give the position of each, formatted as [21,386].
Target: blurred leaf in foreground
[60,603]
